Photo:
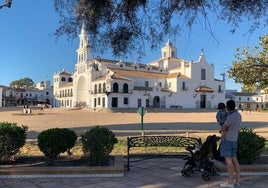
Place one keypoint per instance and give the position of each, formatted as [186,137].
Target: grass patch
[120,148]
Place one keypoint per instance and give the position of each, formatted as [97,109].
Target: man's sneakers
[227,184]
[230,185]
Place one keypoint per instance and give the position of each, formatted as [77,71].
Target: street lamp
[8,4]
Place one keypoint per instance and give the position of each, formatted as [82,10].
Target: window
[203,74]
[95,102]
[183,86]
[99,100]
[103,102]
[146,84]
[169,84]
[70,79]
[114,102]
[63,79]
[47,93]
[219,89]
[248,98]
[95,88]
[239,98]
[115,87]
[104,87]
[147,103]
[125,88]
[164,54]
[125,100]
[99,88]
[139,103]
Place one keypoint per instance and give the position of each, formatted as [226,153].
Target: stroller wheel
[206,175]
[213,171]
[185,173]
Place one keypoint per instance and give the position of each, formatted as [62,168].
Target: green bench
[161,141]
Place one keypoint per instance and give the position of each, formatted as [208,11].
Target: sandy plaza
[129,123]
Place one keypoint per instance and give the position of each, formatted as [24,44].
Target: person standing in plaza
[229,133]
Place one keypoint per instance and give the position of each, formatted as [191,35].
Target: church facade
[168,82]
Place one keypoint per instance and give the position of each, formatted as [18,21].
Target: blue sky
[29,49]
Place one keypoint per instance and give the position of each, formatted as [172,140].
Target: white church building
[168,82]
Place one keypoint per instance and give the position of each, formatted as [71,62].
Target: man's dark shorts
[228,148]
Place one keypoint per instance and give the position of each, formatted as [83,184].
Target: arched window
[70,79]
[99,87]
[203,74]
[115,87]
[219,89]
[125,88]
[95,88]
[63,79]
[104,87]
[183,86]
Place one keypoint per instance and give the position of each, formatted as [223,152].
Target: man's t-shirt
[233,122]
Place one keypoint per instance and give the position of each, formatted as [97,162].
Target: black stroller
[199,159]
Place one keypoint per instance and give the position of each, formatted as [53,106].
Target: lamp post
[142,112]
[8,4]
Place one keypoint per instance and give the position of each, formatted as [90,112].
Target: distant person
[222,113]
[228,148]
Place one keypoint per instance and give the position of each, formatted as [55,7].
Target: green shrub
[54,141]
[12,138]
[98,143]
[250,146]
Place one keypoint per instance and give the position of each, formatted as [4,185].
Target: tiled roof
[118,77]
[65,73]
[204,89]
[100,79]
[244,94]
[135,73]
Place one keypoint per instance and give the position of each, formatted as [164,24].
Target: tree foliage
[251,66]
[125,25]
[22,83]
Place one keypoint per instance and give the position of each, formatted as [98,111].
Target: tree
[251,66]
[22,83]
[125,25]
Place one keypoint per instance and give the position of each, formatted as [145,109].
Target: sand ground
[127,124]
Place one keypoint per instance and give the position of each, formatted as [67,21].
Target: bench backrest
[172,141]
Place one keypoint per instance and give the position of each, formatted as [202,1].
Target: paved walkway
[149,173]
